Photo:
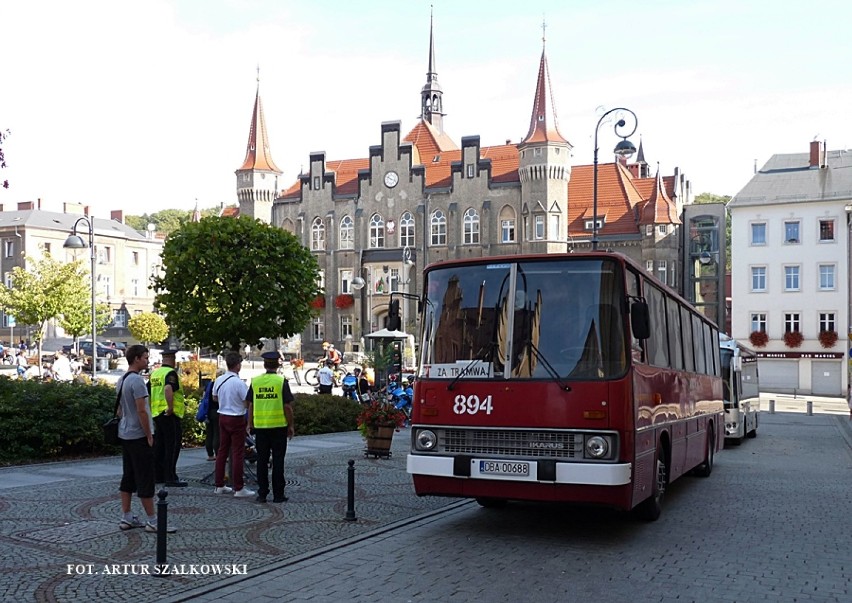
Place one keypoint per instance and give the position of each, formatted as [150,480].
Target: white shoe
[223,490]
[245,492]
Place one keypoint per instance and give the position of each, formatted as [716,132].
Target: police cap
[169,352]
[270,356]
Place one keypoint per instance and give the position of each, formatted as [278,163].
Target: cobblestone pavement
[66,514]
[771,524]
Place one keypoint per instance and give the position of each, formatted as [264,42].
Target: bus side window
[637,346]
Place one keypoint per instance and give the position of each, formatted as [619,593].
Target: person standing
[136,432]
[21,363]
[271,416]
[230,393]
[167,405]
[62,368]
[326,377]
[211,427]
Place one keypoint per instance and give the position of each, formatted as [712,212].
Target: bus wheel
[753,432]
[491,503]
[706,467]
[650,508]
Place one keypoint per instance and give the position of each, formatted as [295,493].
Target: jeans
[211,440]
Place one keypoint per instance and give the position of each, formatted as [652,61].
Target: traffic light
[396,359]
[394,319]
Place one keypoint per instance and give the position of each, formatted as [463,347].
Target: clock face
[391,179]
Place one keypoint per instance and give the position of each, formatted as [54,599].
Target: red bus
[570,377]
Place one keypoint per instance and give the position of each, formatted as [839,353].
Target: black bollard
[350,492]
[162,522]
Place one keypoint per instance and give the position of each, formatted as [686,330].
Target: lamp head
[74,242]
[624,148]
[358,283]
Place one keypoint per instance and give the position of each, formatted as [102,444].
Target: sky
[145,105]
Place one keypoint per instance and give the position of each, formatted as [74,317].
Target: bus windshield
[525,320]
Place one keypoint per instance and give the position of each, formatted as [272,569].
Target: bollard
[162,523]
[772,407]
[350,492]
[810,406]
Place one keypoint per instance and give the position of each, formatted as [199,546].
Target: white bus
[741,389]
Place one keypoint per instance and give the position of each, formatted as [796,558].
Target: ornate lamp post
[624,148]
[74,241]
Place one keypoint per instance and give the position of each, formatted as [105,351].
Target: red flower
[318,302]
[827,338]
[793,339]
[344,301]
[379,414]
[758,338]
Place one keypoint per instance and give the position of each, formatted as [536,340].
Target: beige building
[125,259]
[418,197]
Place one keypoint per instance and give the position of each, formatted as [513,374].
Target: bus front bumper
[539,471]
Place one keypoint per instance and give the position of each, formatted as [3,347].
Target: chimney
[814,161]
[24,205]
[634,170]
[73,208]
[38,203]
[117,215]
[621,159]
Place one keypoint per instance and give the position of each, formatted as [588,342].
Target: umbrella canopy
[386,334]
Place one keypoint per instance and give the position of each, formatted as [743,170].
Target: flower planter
[344,301]
[758,339]
[827,339]
[793,339]
[379,438]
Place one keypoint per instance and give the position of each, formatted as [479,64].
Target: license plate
[504,468]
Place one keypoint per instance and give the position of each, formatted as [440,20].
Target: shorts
[137,468]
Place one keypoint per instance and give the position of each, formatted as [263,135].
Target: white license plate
[504,468]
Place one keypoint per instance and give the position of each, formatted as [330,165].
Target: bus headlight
[597,447]
[426,440]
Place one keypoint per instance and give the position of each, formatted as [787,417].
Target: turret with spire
[257,177]
[431,102]
[545,168]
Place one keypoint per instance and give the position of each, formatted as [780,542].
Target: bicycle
[312,375]
[283,371]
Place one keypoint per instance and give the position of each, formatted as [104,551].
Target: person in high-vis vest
[271,418]
[168,407]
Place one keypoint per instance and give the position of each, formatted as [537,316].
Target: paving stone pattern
[46,527]
[772,523]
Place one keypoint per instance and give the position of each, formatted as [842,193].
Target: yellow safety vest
[268,401]
[158,393]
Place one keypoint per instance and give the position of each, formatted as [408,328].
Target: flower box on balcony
[827,339]
[318,302]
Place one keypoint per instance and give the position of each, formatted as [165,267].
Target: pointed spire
[543,124]
[258,155]
[196,215]
[431,102]
[640,154]
[659,209]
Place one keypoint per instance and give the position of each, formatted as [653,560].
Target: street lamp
[358,284]
[74,241]
[624,148]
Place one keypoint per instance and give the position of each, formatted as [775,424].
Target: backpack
[204,403]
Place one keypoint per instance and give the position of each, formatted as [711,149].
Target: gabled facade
[790,227]
[419,195]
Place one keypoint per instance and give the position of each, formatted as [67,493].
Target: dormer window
[436,159]
[588,224]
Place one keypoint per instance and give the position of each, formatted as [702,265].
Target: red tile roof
[659,208]
[258,155]
[543,124]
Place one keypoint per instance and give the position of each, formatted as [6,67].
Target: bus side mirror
[640,320]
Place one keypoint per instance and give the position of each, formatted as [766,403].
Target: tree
[168,220]
[148,327]
[76,319]
[704,198]
[231,280]
[44,291]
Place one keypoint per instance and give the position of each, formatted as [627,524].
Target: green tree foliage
[148,327]
[76,319]
[230,280]
[711,198]
[168,220]
[41,292]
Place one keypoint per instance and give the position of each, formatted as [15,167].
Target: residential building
[125,259]
[419,195]
[790,232]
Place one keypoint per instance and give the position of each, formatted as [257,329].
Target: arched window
[438,228]
[406,230]
[317,235]
[347,233]
[507,225]
[470,227]
[377,231]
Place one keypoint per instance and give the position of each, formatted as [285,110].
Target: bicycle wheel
[312,377]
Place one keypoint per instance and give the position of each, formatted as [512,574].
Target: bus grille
[514,443]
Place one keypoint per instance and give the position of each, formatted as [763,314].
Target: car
[103,350]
